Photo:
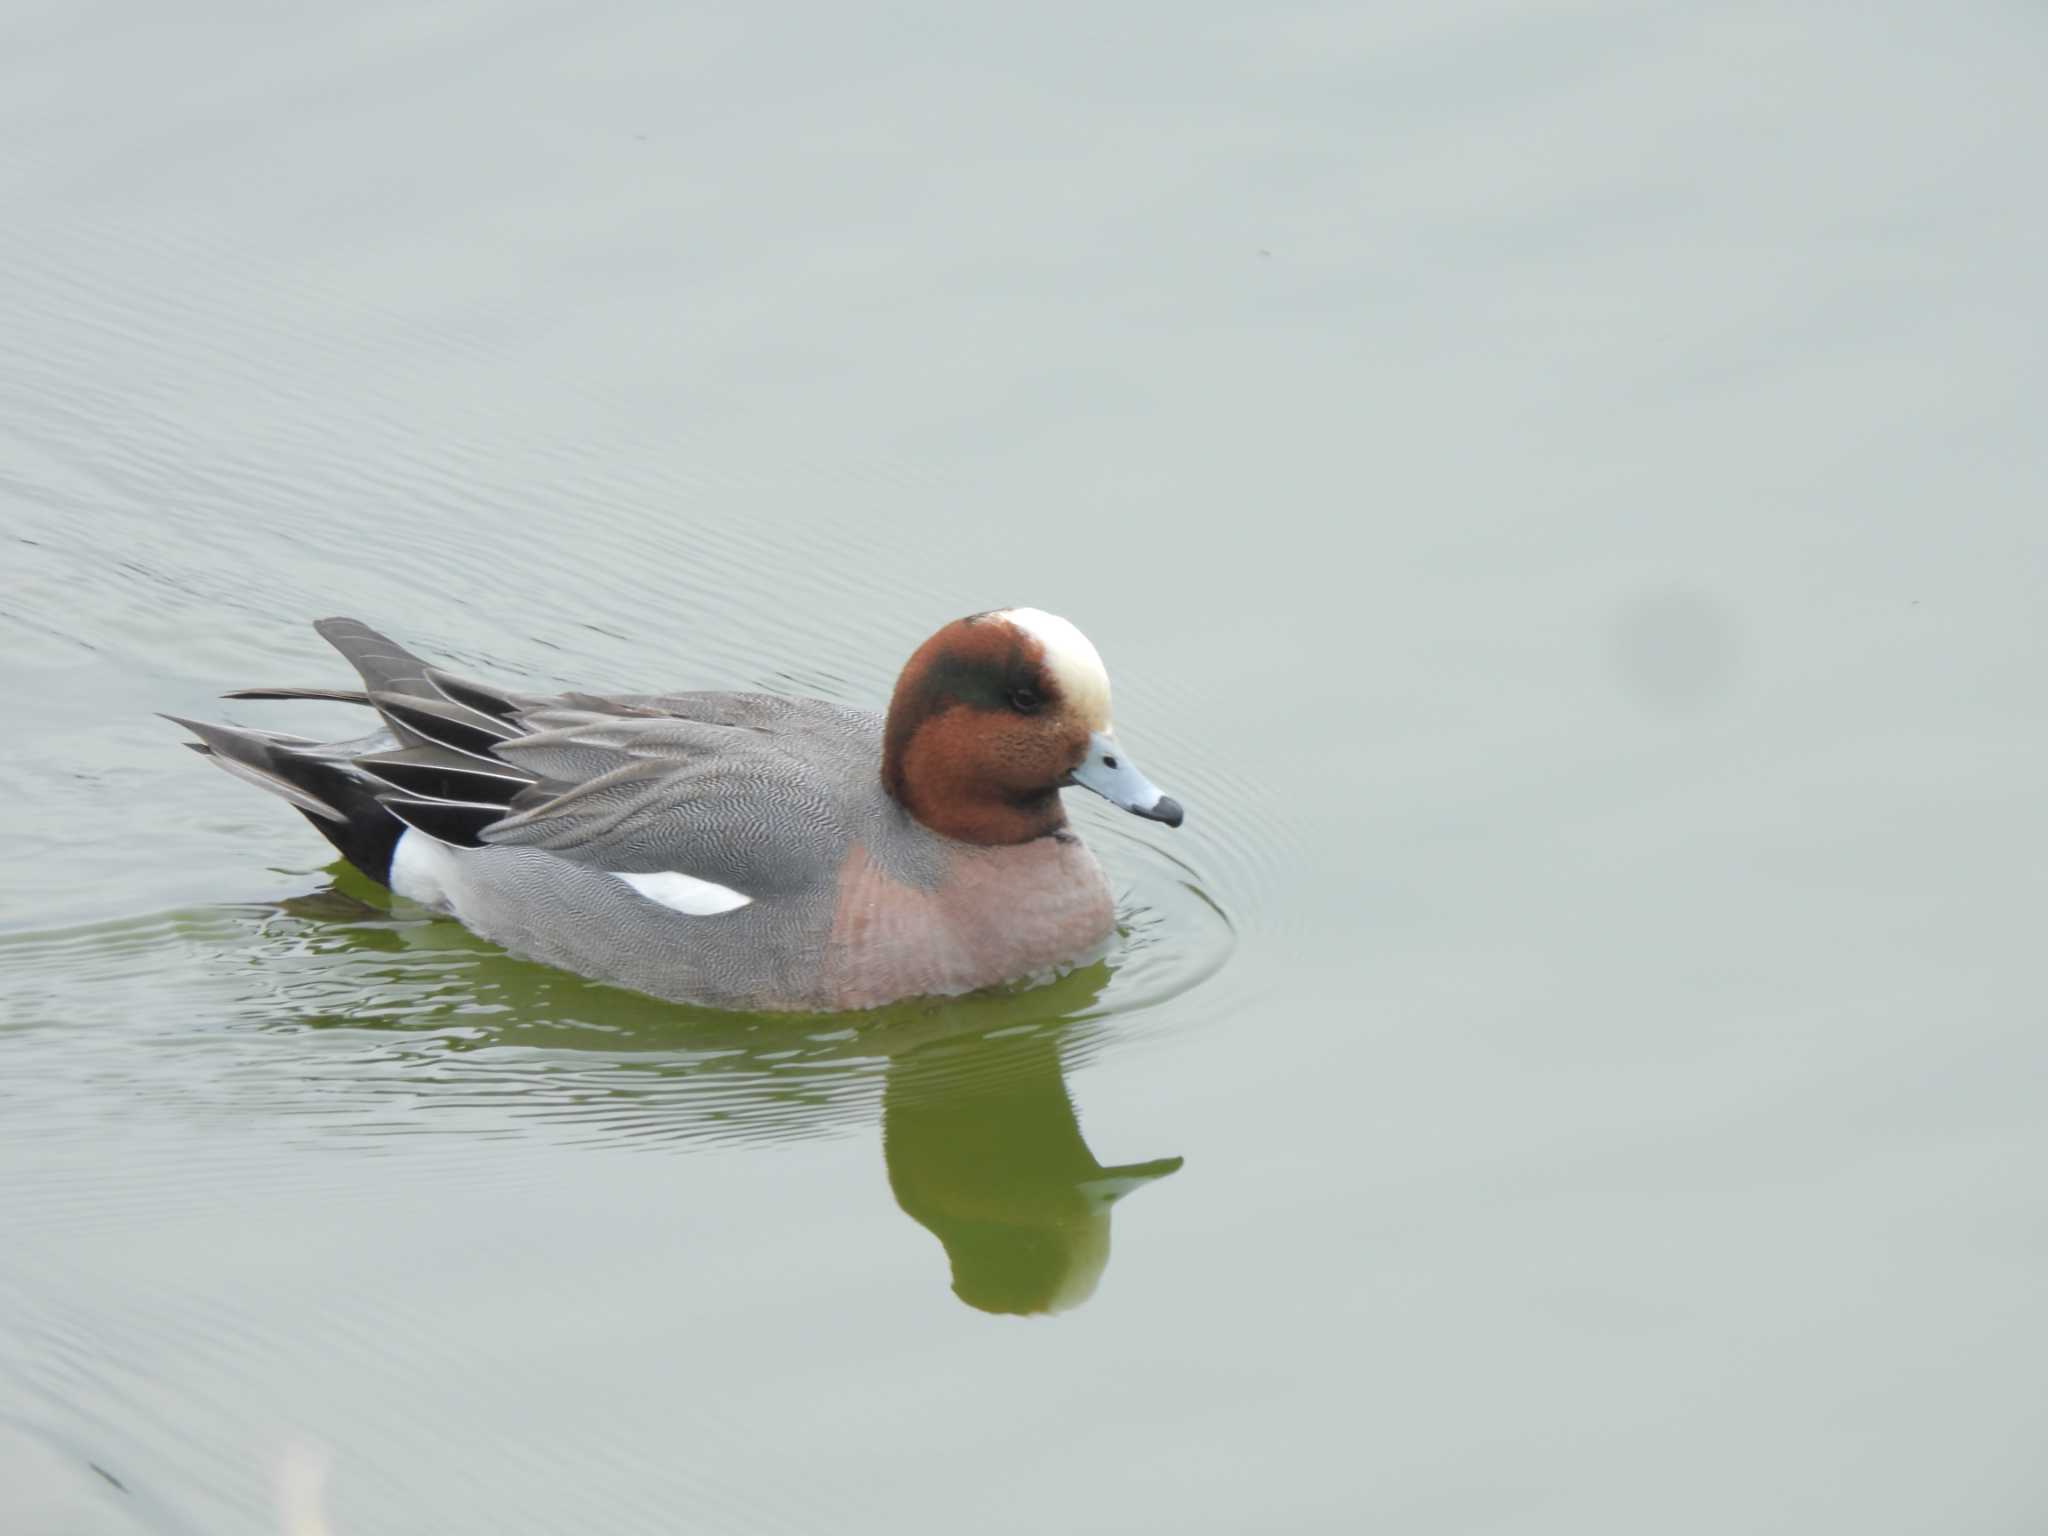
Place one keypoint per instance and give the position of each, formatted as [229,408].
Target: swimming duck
[741,850]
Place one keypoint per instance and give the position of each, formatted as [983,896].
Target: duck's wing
[752,791]
[754,808]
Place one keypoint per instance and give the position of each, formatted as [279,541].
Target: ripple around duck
[348,1019]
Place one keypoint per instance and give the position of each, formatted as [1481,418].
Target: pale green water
[1563,497]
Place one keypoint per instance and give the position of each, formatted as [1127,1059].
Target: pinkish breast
[999,914]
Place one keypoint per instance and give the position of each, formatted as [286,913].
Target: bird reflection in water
[979,1134]
[984,1152]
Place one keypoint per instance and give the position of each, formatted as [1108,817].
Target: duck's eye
[1025,700]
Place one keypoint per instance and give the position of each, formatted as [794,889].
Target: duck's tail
[431,768]
[320,779]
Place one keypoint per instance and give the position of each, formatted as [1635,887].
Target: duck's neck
[939,793]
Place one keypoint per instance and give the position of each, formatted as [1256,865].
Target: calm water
[1562,494]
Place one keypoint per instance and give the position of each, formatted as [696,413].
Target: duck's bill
[1109,771]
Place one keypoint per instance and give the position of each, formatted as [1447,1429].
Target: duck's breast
[994,915]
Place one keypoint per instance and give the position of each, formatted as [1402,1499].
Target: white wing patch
[686,893]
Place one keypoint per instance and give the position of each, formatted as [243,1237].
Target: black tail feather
[439,775]
[482,699]
[443,777]
[436,722]
[449,821]
[326,790]
[334,695]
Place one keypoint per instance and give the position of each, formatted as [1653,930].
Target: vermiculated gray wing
[752,792]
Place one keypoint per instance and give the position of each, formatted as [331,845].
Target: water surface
[1561,495]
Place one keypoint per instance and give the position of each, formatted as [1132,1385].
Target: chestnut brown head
[992,716]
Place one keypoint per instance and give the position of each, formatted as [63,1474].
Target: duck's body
[740,850]
[863,906]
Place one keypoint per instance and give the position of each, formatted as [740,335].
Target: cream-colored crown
[1074,663]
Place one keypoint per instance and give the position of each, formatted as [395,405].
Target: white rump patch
[686,893]
[1075,664]
[420,870]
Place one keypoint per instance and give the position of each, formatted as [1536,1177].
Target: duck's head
[993,716]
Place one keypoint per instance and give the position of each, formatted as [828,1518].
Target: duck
[744,851]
